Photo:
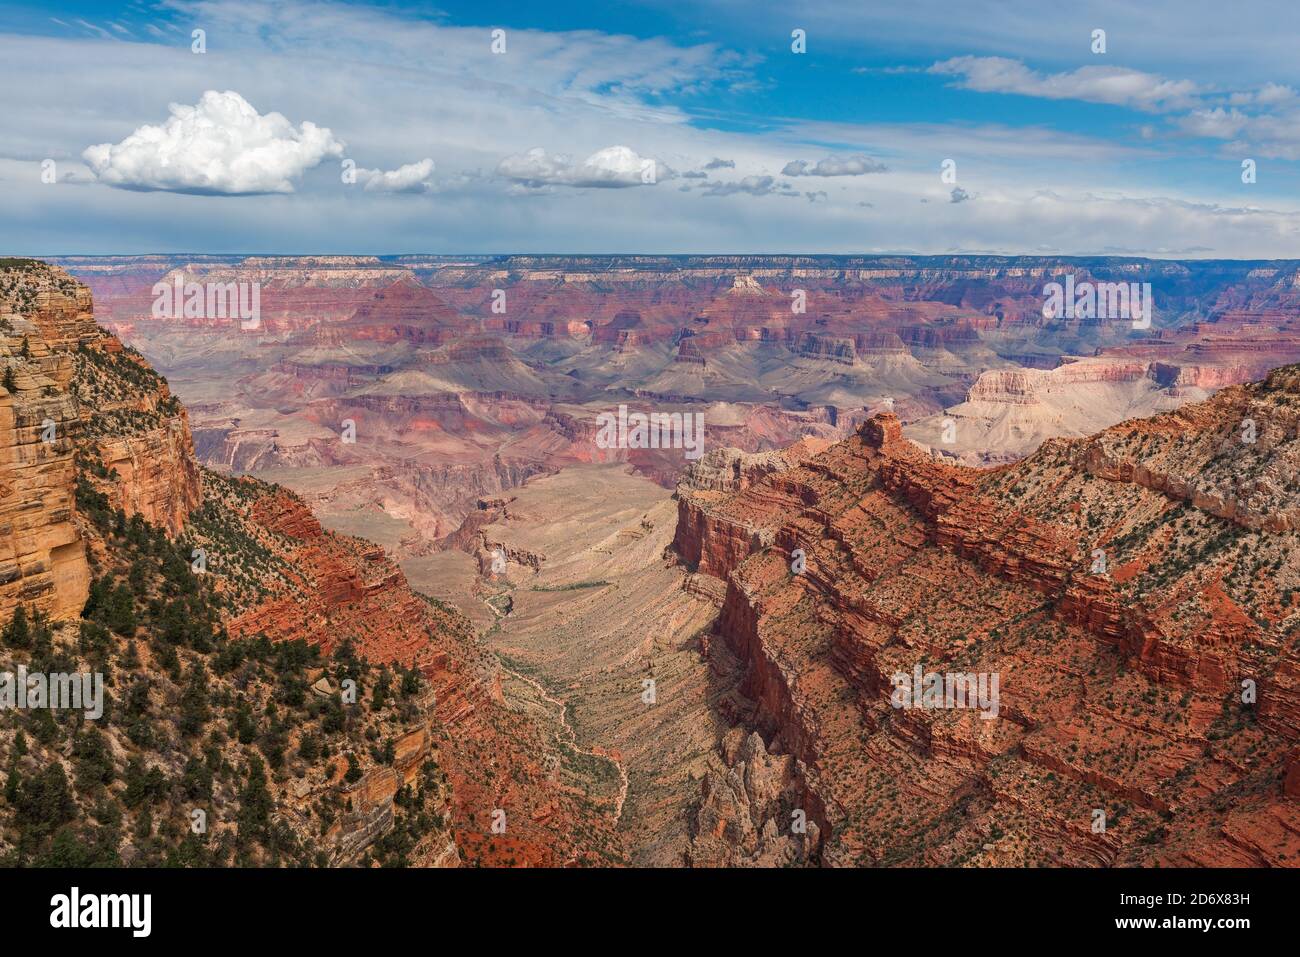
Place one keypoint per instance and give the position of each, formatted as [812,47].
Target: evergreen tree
[353,773]
[94,763]
[131,657]
[45,802]
[13,783]
[121,611]
[254,802]
[410,682]
[194,701]
[18,633]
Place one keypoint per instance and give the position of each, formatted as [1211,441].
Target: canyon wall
[1122,617]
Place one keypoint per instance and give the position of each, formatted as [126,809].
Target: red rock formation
[1120,683]
[45,316]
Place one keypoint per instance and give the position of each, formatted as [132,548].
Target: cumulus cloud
[612,167]
[1270,94]
[960,195]
[1218,123]
[834,166]
[1115,85]
[1275,135]
[716,163]
[222,146]
[411,178]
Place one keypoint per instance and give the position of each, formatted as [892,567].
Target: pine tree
[194,701]
[254,801]
[13,783]
[18,633]
[121,611]
[379,694]
[353,774]
[410,682]
[131,657]
[45,801]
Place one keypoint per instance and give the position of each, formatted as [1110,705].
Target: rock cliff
[1134,593]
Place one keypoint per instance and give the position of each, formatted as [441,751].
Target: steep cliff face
[1134,594]
[140,433]
[70,387]
[43,315]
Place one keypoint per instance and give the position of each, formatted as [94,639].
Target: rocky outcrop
[42,555]
[44,316]
[157,471]
[368,802]
[1120,663]
[755,813]
[714,544]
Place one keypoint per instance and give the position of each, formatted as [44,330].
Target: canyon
[636,658]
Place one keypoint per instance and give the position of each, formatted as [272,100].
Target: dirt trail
[573,736]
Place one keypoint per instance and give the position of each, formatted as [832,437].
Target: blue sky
[681,127]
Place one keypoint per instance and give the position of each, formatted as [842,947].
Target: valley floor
[603,615]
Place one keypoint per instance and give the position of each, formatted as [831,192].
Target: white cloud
[222,145]
[411,178]
[391,83]
[99,31]
[1271,135]
[1217,123]
[612,167]
[1116,85]
[834,166]
[1273,93]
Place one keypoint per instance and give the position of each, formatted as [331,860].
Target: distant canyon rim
[464,376]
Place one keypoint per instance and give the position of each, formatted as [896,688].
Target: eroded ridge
[1133,593]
